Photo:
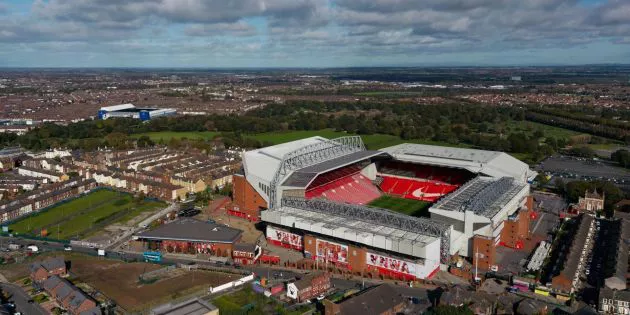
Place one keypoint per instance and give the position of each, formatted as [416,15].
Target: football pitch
[416,208]
[83,216]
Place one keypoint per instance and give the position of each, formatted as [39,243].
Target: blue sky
[311,33]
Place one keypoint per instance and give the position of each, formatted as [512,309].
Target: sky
[312,33]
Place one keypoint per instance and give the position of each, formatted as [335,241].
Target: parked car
[67,248]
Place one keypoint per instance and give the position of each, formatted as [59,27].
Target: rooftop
[483,196]
[190,307]
[361,224]
[376,300]
[490,163]
[302,177]
[193,230]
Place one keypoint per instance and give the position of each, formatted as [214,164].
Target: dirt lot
[120,281]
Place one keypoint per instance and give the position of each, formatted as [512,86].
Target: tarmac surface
[21,300]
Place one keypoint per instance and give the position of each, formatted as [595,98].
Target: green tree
[622,157]
[117,140]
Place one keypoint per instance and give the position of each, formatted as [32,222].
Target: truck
[101,252]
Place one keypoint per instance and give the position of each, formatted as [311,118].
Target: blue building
[131,111]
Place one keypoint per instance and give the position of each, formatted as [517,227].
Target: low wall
[231,284]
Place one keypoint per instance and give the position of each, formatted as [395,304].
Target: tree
[144,141]
[117,140]
[622,157]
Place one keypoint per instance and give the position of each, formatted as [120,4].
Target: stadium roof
[264,162]
[374,227]
[304,176]
[188,229]
[118,107]
[491,163]
[483,196]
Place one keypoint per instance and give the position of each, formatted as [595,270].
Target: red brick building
[192,236]
[245,253]
[40,271]
[248,201]
[70,297]
[310,286]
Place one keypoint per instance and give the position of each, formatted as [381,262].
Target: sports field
[410,207]
[84,216]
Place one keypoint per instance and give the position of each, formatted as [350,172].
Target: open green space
[416,208]
[168,135]
[529,127]
[246,301]
[85,215]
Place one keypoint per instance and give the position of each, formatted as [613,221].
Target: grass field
[82,216]
[246,301]
[411,207]
[529,128]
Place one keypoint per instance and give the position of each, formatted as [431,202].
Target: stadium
[403,211]
[131,111]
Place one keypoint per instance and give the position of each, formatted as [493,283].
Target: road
[21,298]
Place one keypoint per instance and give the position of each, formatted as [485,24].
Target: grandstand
[317,190]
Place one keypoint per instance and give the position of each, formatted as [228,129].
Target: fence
[85,244]
[231,284]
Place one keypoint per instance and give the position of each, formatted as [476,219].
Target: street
[21,298]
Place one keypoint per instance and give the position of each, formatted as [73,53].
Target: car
[321,297]
[67,248]
[31,301]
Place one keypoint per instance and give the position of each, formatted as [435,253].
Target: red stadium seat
[355,189]
[419,189]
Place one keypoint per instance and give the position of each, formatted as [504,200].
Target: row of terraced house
[160,173]
[44,197]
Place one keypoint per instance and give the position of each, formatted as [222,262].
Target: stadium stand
[355,189]
[432,173]
[418,189]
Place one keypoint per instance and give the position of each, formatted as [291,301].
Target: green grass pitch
[82,216]
[416,208]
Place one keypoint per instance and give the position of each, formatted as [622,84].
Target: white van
[32,248]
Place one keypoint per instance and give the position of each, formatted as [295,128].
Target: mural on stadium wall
[331,252]
[389,263]
[284,237]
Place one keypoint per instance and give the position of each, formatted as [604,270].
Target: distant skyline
[312,33]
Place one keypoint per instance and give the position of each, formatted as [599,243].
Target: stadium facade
[314,194]
[131,111]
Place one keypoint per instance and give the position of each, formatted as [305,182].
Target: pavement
[21,298]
